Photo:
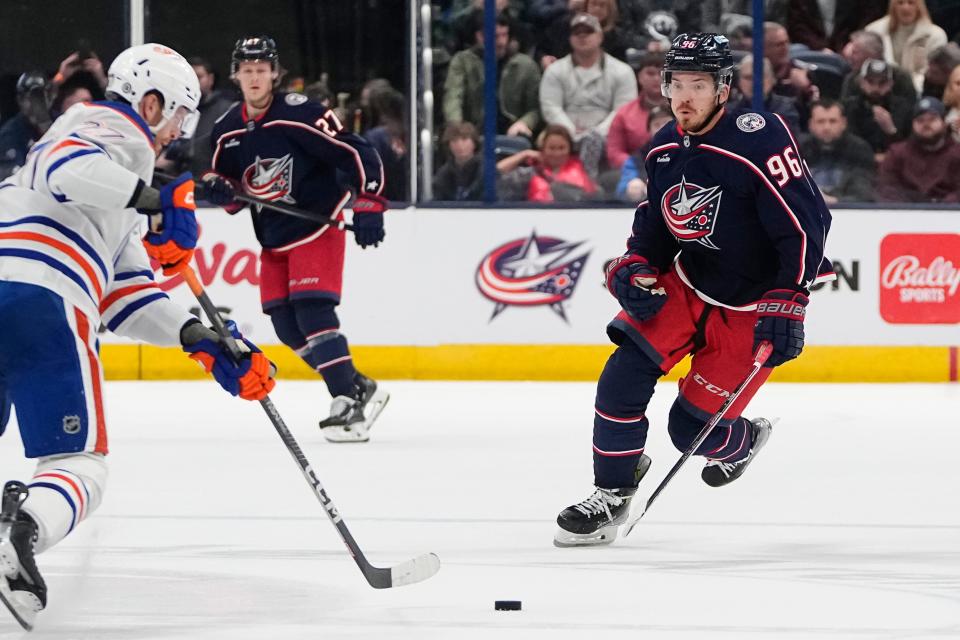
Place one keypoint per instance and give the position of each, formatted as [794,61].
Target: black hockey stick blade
[759,358]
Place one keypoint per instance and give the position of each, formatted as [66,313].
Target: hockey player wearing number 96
[71,259]
[721,259]
[281,147]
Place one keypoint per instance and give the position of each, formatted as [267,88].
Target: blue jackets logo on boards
[531,272]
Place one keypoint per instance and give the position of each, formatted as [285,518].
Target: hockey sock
[63,492]
[730,441]
[325,348]
[619,424]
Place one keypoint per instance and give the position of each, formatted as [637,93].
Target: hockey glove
[368,211]
[221,191]
[780,317]
[629,279]
[172,241]
[251,377]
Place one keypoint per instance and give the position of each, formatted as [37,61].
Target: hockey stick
[759,358]
[280,207]
[409,572]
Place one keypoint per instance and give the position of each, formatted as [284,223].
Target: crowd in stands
[871,90]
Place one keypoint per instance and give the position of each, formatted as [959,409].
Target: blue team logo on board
[690,211]
[532,272]
[270,179]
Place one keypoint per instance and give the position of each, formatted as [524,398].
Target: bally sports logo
[920,278]
[532,271]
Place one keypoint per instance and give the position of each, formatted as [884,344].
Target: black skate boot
[717,473]
[352,416]
[596,520]
[22,588]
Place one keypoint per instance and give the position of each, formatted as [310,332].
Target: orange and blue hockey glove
[173,240]
[250,376]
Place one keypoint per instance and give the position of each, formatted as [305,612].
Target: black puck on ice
[507,605]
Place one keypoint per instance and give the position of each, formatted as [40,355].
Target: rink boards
[517,294]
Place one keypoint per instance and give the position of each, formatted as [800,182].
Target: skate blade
[603,536]
[23,605]
[359,432]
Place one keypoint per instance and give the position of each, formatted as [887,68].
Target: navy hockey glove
[171,243]
[629,279]
[251,378]
[368,211]
[221,191]
[780,315]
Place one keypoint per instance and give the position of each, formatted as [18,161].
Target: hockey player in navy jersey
[283,148]
[721,258]
[71,259]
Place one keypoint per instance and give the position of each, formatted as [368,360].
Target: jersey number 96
[783,166]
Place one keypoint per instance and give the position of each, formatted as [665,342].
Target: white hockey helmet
[154,67]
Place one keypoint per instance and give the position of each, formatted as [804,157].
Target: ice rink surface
[846,526]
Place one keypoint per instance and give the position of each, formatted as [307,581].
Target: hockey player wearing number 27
[721,258]
[71,259]
[282,147]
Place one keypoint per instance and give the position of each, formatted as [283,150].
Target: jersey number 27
[784,165]
[329,123]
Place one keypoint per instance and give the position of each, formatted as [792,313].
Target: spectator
[70,93]
[908,36]
[552,172]
[940,63]
[791,80]
[823,25]
[389,138]
[517,87]
[584,90]
[634,14]
[83,61]
[461,177]
[213,104]
[615,40]
[719,16]
[925,167]
[951,100]
[875,114]
[867,45]
[632,186]
[841,163]
[17,135]
[743,98]
[628,130]
[554,41]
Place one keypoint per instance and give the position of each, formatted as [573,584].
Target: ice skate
[22,589]
[351,417]
[596,520]
[717,473]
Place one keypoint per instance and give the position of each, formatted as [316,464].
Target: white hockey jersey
[65,224]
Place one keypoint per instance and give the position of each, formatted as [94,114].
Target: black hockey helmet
[699,53]
[255,48]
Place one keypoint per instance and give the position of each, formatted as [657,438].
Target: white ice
[846,526]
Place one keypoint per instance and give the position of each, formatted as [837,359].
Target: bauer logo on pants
[530,272]
[920,278]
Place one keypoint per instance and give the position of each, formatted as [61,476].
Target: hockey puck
[507,605]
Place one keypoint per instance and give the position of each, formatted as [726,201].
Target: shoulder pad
[295,99]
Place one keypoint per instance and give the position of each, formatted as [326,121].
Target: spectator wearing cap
[35,94]
[926,166]
[743,96]
[628,130]
[908,36]
[583,91]
[632,186]
[866,45]
[518,84]
[875,114]
[841,163]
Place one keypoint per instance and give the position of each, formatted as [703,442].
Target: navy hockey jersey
[739,207]
[297,153]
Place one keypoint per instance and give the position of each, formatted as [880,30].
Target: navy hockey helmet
[255,48]
[698,53]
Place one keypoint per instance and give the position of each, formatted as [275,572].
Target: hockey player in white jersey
[71,259]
